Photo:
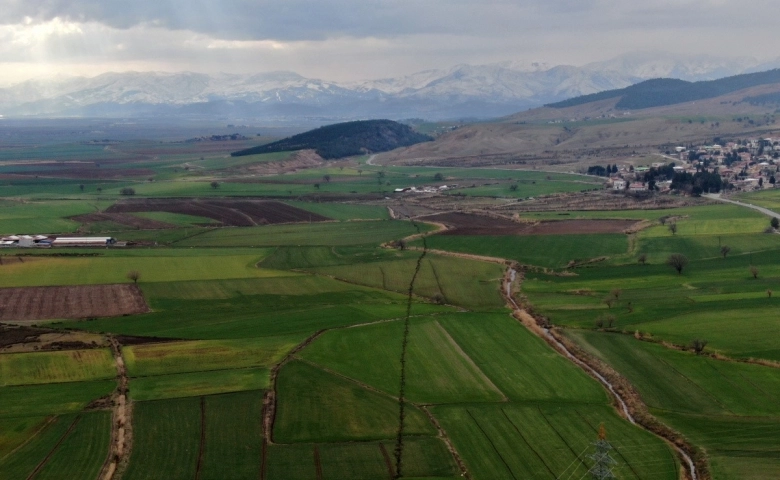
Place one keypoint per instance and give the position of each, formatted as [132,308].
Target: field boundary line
[468,359]
[45,460]
[121,419]
[528,443]
[349,379]
[202,446]
[317,464]
[688,379]
[464,472]
[388,462]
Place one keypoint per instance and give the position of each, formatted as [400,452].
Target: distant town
[745,165]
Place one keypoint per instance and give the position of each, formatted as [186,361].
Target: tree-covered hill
[666,91]
[346,139]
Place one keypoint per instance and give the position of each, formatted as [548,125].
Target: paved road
[765,211]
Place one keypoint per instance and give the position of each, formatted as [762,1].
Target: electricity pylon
[602,462]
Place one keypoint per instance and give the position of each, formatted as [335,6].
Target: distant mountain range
[463,91]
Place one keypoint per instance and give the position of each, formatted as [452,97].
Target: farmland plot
[38,303]
[51,367]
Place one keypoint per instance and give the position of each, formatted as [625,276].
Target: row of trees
[603,171]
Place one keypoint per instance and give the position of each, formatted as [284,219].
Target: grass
[342,211]
[166,439]
[233,436]
[51,399]
[83,452]
[177,357]
[550,441]
[317,406]
[293,285]
[438,371]
[24,460]
[682,382]
[328,233]
[193,384]
[52,367]
[43,271]
[257,315]
[440,276]
[518,363]
[552,251]
[43,217]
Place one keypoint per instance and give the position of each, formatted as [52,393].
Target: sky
[350,40]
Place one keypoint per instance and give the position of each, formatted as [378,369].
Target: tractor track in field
[45,460]
[121,419]
[202,446]
[627,399]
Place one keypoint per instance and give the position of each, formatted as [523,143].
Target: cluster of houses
[426,189]
[748,165]
[47,241]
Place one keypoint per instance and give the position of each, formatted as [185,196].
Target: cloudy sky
[360,39]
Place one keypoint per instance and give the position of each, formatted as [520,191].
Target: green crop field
[329,233]
[193,384]
[84,450]
[315,405]
[21,462]
[52,398]
[553,251]
[177,357]
[438,371]
[166,439]
[55,367]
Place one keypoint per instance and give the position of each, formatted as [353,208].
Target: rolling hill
[345,139]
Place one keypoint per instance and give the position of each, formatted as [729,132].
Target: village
[746,165]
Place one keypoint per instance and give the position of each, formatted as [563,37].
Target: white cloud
[350,39]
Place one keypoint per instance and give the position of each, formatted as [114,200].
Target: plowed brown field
[238,213]
[85,301]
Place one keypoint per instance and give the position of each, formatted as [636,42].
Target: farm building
[83,241]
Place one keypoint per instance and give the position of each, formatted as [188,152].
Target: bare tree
[214,184]
[769,293]
[616,293]
[326,178]
[609,301]
[673,228]
[724,250]
[698,344]
[754,271]
[642,259]
[678,261]
[134,275]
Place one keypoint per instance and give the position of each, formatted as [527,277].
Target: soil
[237,213]
[125,219]
[470,224]
[84,301]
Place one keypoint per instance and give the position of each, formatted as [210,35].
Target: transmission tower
[602,462]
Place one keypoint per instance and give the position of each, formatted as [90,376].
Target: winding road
[765,211]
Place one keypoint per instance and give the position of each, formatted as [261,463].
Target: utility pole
[603,463]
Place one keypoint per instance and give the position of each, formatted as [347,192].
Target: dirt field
[238,213]
[123,219]
[86,301]
[469,224]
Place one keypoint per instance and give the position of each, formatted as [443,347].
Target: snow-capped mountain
[461,91]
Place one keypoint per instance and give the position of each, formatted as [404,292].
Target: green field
[552,251]
[55,367]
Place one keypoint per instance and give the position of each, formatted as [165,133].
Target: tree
[754,271]
[127,191]
[772,180]
[769,293]
[609,301]
[326,178]
[698,344]
[513,187]
[642,259]
[438,177]
[134,275]
[616,293]
[678,261]
[317,186]
[673,228]
[775,223]
[360,172]
[81,187]
[724,250]
[100,189]
[214,184]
